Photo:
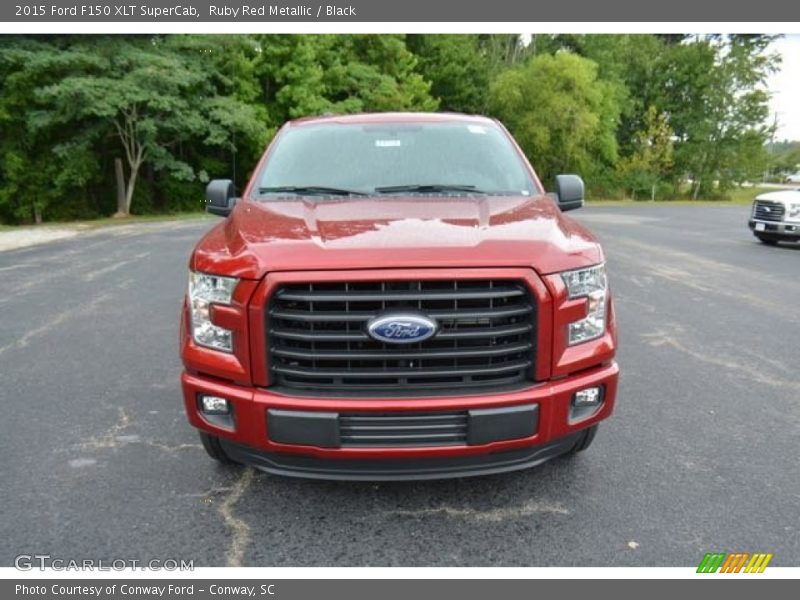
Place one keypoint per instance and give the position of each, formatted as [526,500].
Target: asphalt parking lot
[701,455]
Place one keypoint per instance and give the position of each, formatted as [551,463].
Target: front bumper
[359,469]
[545,426]
[776,229]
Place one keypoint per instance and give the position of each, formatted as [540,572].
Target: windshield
[394,158]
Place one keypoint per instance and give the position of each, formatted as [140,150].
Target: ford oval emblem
[401,328]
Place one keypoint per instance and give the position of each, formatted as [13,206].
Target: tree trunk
[122,207]
[160,201]
[135,152]
[131,187]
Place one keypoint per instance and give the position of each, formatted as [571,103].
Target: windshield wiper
[428,188]
[312,190]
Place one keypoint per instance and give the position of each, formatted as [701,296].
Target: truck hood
[395,232]
[783,196]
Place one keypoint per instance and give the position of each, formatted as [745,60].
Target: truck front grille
[403,429]
[764,210]
[318,341]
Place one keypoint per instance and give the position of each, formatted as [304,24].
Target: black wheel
[766,240]
[585,440]
[214,448]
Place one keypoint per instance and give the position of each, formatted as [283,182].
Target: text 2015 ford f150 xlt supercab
[395,296]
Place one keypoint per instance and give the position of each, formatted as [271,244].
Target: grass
[735,196]
[111,221]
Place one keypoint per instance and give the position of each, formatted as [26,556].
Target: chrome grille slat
[381,373]
[333,316]
[362,336]
[409,296]
[397,355]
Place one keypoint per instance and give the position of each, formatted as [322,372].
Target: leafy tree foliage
[82,101]
[316,74]
[714,91]
[633,114]
[458,67]
[784,157]
[651,159]
[157,98]
[711,91]
[563,116]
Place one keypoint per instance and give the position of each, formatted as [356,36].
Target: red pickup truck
[395,296]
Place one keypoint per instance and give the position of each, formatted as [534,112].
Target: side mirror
[220,197]
[569,192]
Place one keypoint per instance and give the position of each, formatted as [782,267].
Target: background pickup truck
[775,217]
[395,296]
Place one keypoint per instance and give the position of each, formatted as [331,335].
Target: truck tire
[214,448]
[766,240]
[585,441]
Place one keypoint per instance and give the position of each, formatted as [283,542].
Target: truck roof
[394,117]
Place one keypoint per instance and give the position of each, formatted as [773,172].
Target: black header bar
[438,11]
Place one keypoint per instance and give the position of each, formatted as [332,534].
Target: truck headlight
[591,284]
[205,290]
[794,211]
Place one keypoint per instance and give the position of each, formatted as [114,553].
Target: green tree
[651,159]
[311,75]
[290,76]
[504,50]
[373,73]
[457,67]
[631,63]
[715,94]
[231,63]
[156,97]
[563,116]
[70,105]
[175,108]
[38,172]
[784,157]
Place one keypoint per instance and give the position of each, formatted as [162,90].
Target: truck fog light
[588,397]
[214,405]
[585,403]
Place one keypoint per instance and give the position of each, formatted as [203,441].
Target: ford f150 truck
[395,296]
[775,217]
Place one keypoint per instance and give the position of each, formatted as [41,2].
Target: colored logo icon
[736,562]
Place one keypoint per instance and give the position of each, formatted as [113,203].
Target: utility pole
[774,129]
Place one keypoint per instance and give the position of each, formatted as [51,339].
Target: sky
[785,89]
